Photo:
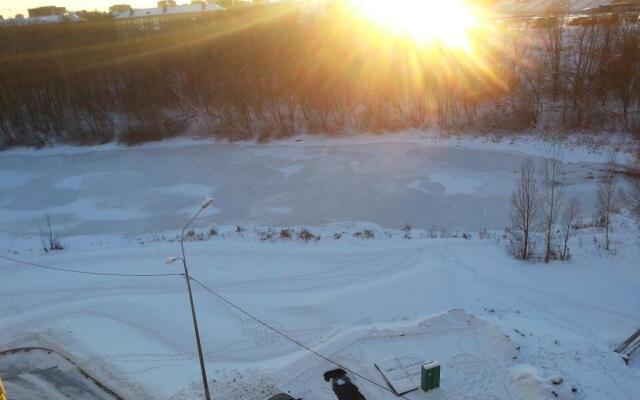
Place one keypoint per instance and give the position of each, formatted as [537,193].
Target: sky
[8,8]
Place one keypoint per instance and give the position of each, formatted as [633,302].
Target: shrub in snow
[365,234]
[525,209]
[285,234]
[152,129]
[268,235]
[213,232]
[445,234]
[407,231]
[48,239]
[570,214]
[193,235]
[631,196]
[515,244]
[305,235]
[551,199]
[606,203]
[56,245]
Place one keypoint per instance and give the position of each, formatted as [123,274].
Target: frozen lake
[149,189]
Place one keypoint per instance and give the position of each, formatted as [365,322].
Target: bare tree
[569,216]
[554,42]
[48,238]
[606,202]
[89,83]
[552,198]
[631,197]
[524,211]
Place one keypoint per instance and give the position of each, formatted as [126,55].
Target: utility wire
[75,271]
[225,300]
[294,340]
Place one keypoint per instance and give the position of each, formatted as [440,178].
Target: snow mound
[41,372]
[475,356]
[525,382]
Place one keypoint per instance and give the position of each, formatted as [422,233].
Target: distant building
[167,13]
[46,11]
[20,20]
[119,8]
[42,15]
[617,7]
[167,3]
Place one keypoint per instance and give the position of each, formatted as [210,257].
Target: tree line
[541,212]
[275,70]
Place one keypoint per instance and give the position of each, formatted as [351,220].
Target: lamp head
[207,202]
[171,260]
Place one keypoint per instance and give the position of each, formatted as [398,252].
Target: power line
[76,271]
[294,340]
[225,300]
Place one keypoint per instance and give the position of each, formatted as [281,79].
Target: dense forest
[271,71]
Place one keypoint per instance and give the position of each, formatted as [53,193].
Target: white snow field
[500,328]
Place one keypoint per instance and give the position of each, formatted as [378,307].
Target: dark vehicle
[582,20]
[544,22]
[342,385]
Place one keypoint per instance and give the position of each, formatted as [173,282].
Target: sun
[447,22]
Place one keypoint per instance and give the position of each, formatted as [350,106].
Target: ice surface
[389,181]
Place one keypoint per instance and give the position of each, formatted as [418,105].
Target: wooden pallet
[629,346]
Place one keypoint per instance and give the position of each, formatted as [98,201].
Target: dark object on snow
[334,374]
[430,376]
[557,380]
[629,346]
[627,342]
[281,396]
[342,386]
[345,390]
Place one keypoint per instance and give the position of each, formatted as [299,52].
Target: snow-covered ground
[502,329]
[36,373]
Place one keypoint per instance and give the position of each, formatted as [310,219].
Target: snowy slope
[502,329]
[352,299]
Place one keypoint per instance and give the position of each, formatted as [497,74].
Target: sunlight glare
[447,22]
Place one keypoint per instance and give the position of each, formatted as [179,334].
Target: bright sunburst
[448,22]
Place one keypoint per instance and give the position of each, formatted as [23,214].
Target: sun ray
[447,23]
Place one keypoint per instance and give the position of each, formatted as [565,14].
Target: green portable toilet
[430,377]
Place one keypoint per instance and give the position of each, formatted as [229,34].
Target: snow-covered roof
[175,10]
[539,6]
[48,19]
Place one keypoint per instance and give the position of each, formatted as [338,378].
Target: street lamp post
[207,202]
